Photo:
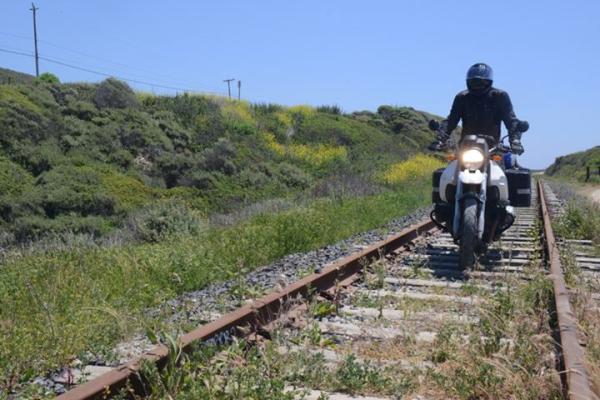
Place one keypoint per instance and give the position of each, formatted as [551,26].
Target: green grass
[59,304]
[581,220]
[572,167]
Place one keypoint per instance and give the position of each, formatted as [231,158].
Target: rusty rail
[577,382]
[260,312]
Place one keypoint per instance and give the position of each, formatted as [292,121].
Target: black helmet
[479,78]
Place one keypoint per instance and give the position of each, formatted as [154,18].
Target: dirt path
[593,192]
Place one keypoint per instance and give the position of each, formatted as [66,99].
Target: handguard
[515,142]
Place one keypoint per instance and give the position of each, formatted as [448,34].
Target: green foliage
[140,144]
[47,77]
[573,166]
[333,109]
[68,189]
[128,192]
[14,179]
[165,219]
[581,220]
[112,93]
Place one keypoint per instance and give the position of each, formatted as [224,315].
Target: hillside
[87,158]
[573,166]
[113,202]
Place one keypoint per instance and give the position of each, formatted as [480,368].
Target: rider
[481,109]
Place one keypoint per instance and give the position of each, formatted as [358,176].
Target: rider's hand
[516,147]
[437,146]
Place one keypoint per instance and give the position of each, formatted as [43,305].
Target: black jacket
[481,114]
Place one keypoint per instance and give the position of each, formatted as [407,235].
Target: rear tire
[469,238]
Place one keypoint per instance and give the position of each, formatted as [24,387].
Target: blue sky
[355,54]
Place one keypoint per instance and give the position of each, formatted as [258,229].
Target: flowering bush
[319,155]
[416,167]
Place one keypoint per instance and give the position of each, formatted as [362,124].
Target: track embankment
[395,320]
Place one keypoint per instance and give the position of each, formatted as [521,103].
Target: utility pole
[587,173]
[37,58]
[240,90]
[229,85]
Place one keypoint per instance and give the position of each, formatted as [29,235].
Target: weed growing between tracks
[507,354]
[271,370]
[510,351]
[63,305]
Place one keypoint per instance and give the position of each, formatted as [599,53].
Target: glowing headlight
[472,159]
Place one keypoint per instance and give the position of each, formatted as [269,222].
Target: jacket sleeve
[507,114]
[456,113]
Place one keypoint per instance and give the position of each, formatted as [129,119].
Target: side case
[435,193]
[519,187]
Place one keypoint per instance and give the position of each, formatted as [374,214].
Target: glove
[442,136]
[437,146]
[440,143]
[516,146]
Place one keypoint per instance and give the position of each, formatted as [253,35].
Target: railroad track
[401,310]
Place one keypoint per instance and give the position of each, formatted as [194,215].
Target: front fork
[481,197]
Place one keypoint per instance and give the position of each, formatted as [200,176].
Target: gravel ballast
[208,304]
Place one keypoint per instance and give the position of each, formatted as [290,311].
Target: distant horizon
[343,53]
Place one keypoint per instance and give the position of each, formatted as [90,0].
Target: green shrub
[81,109]
[334,109]
[581,220]
[14,179]
[220,157]
[47,77]
[40,158]
[112,93]
[31,228]
[70,189]
[128,192]
[165,219]
[573,166]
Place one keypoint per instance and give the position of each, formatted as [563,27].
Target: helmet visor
[478,84]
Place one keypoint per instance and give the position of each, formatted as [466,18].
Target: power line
[17,52]
[68,65]
[16,36]
[150,74]
[81,53]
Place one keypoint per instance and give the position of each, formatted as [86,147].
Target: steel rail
[259,313]
[577,381]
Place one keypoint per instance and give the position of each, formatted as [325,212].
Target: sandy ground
[593,192]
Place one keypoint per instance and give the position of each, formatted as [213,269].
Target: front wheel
[469,237]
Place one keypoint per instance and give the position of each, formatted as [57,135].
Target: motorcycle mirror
[434,125]
[523,126]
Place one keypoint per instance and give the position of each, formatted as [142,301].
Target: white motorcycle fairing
[496,178]
[448,178]
[474,177]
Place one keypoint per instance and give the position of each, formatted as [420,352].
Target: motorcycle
[476,193]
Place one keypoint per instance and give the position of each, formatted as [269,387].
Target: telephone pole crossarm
[229,85]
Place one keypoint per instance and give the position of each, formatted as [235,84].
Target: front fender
[471,177]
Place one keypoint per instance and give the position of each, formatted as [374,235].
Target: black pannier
[519,187]
[435,193]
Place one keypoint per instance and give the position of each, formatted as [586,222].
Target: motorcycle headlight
[472,159]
